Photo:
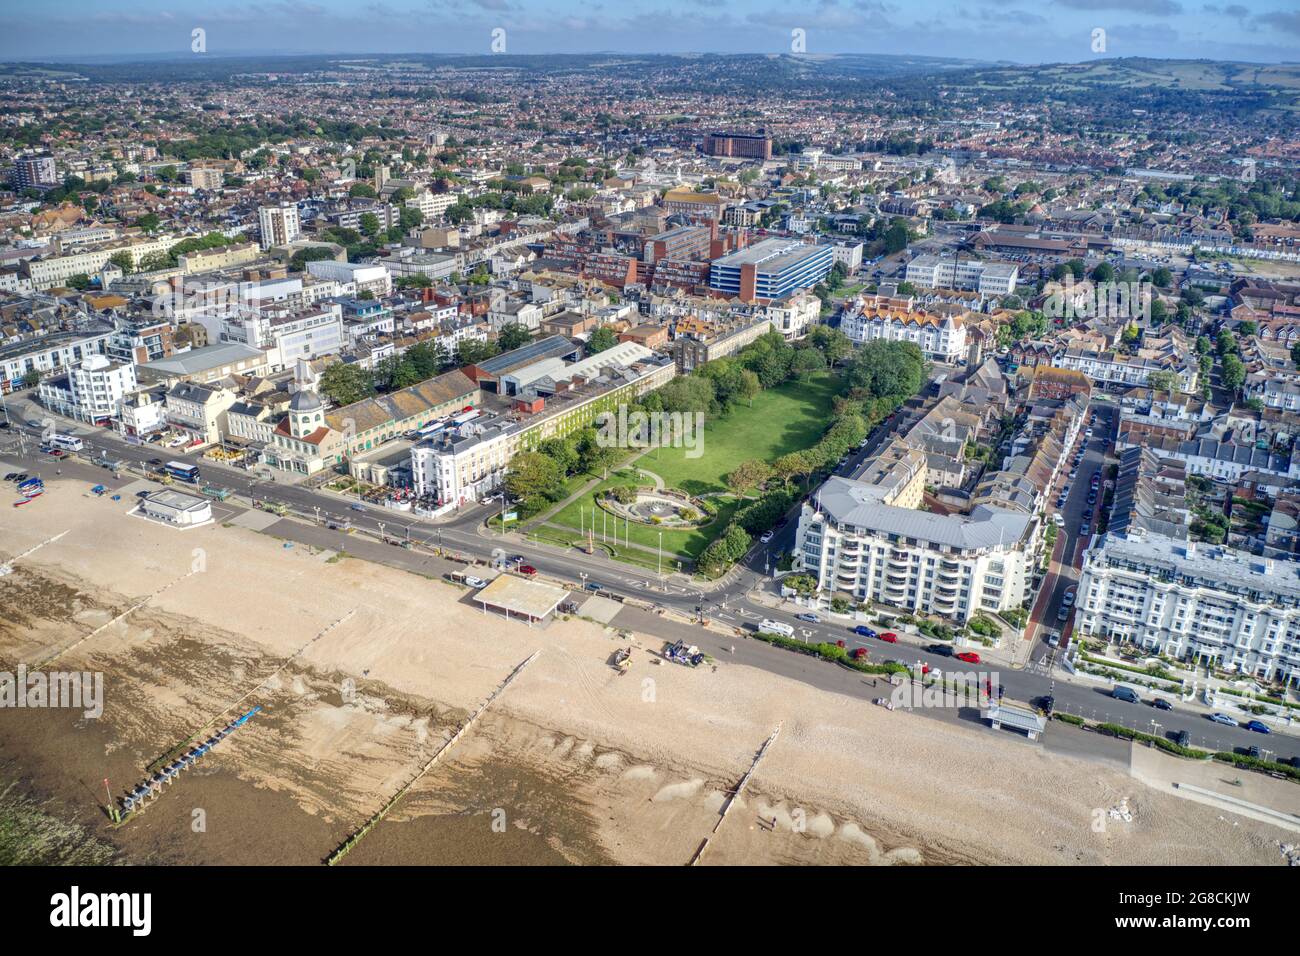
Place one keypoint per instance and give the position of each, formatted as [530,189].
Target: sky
[1028,31]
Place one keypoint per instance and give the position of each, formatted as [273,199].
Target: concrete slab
[254,520]
[600,609]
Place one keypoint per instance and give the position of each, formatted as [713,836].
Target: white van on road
[775,627]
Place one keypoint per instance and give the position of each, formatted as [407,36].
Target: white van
[776,627]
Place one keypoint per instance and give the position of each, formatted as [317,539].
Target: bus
[66,442]
[182,471]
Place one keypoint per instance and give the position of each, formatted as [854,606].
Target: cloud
[1159,8]
[1286,22]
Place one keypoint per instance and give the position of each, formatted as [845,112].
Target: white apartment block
[941,337]
[278,224]
[854,541]
[1194,602]
[49,353]
[433,205]
[375,279]
[90,392]
[795,315]
[974,275]
[1117,370]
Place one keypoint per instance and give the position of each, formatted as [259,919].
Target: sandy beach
[574,763]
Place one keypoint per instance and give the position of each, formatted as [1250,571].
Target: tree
[601,339]
[748,474]
[513,336]
[149,222]
[123,261]
[788,466]
[832,343]
[1163,381]
[1162,278]
[369,223]
[362,191]
[1234,373]
[534,475]
[344,383]
[806,363]
[472,351]
[563,452]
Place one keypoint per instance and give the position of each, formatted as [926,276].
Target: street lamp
[317,509]
[660,560]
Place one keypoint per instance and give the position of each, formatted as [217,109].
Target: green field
[790,417]
[781,420]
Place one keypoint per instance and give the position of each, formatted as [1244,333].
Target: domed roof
[305,400]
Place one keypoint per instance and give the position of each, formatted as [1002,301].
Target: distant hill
[1111,86]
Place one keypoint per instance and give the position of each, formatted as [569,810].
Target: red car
[970,657]
[889,637]
[527,569]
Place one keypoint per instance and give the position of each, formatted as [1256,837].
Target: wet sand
[573,764]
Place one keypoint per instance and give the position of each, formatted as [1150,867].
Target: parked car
[1253,752]
[889,637]
[809,617]
[1063,614]
[1183,738]
[1259,727]
[357,507]
[1159,703]
[766,536]
[527,569]
[1223,719]
[1128,694]
[1069,597]
[969,657]
[863,631]
[943,650]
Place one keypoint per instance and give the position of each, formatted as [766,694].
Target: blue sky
[1020,30]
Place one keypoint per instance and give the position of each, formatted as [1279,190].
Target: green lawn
[790,417]
[577,515]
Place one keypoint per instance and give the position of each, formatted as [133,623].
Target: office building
[757,145]
[771,269]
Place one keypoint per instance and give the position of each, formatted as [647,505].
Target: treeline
[344,383]
[878,379]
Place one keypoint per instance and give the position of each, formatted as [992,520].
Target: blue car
[1259,727]
[1223,719]
[864,631]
